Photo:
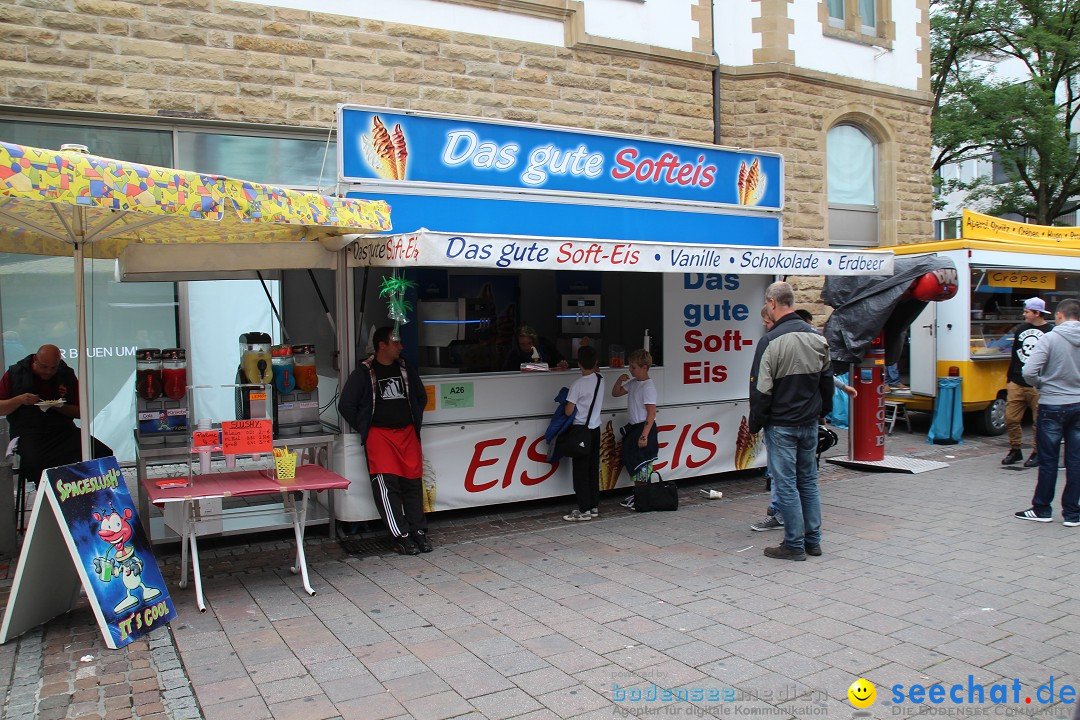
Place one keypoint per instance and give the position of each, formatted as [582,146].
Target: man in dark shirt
[40,397]
[531,348]
[1021,396]
[791,389]
[384,401]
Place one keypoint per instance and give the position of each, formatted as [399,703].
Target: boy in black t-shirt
[1020,395]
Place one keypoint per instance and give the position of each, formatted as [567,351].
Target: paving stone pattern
[924,579]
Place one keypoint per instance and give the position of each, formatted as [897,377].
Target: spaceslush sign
[427,248]
[417,150]
[84,531]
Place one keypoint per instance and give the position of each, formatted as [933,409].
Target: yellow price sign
[1022,279]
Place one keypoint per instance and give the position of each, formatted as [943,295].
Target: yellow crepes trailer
[1000,264]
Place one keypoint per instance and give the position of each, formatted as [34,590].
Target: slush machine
[296,391]
[253,377]
[161,396]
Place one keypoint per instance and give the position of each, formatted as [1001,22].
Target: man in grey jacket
[1054,368]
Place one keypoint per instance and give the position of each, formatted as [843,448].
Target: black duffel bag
[656,495]
[575,441]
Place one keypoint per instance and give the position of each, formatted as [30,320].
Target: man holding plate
[40,397]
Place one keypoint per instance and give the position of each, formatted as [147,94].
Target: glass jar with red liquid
[148,373]
[307,378]
[174,372]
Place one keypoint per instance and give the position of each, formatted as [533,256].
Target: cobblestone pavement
[924,579]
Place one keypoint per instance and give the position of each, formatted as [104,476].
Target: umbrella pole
[80,347]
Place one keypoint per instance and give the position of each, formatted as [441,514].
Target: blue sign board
[110,549]
[414,151]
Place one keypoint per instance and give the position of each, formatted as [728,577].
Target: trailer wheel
[990,421]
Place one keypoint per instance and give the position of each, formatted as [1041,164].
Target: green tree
[1029,126]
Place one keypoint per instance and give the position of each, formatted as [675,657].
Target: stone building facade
[160,62]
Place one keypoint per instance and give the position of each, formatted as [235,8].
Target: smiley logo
[862,693]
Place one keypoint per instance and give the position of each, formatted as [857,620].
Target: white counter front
[483,440]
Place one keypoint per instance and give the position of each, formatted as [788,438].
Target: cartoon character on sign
[117,531]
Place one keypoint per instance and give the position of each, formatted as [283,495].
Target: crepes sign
[381,146]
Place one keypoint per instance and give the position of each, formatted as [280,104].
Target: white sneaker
[595,512]
[578,516]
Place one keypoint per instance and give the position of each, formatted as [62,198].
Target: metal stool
[894,411]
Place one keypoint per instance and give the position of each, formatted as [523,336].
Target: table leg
[195,571]
[184,550]
[331,522]
[144,500]
[299,518]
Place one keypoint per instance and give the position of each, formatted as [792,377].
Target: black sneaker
[1031,515]
[405,546]
[771,522]
[420,538]
[783,552]
[1033,459]
[1014,456]
[814,550]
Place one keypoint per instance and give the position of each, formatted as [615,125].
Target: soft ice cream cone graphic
[428,481]
[750,183]
[610,458]
[747,446]
[384,151]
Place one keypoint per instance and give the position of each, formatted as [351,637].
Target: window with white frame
[852,183]
[947,229]
[836,12]
[864,21]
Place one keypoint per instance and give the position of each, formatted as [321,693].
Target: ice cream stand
[619,241]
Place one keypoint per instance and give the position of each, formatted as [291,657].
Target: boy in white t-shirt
[641,411]
[587,392]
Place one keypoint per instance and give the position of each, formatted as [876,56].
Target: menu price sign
[206,440]
[247,437]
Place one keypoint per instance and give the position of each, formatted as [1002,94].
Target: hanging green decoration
[394,288]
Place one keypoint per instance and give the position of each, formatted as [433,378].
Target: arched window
[852,181]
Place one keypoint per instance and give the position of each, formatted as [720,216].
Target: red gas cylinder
[866,429]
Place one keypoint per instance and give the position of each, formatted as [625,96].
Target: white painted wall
[663,23]
[733,31]
[898,67]
[435,14]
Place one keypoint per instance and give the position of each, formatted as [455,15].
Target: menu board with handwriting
[247,437]
[206,439]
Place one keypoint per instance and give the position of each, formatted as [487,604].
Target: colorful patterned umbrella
[66,202]
[53,201]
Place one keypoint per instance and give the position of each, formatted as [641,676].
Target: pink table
[309,478]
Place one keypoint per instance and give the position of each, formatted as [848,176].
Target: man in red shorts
[384,401]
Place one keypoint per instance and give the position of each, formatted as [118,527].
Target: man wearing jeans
[1054,368]
[791,389]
